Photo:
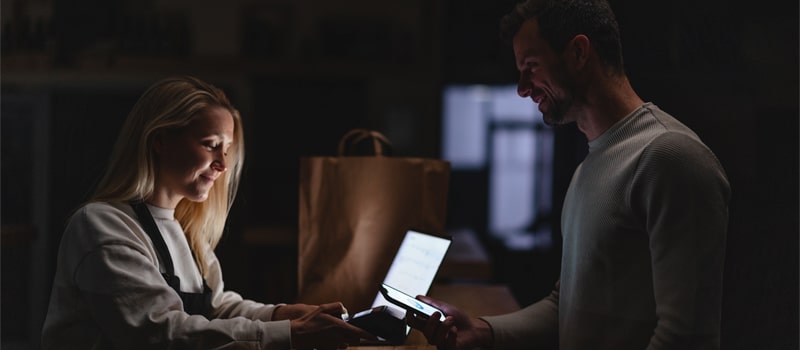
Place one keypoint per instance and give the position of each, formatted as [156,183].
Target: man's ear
[578,50]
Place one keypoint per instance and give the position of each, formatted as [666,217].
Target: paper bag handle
[356,135]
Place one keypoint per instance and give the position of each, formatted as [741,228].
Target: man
[645,216]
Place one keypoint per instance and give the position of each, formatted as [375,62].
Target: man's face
[542,74]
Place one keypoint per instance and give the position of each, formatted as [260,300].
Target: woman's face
[192,158]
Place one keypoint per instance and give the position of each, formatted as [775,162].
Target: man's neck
[606,104]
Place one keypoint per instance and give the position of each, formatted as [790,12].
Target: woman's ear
[157,144]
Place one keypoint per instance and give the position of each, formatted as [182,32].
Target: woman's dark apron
[193,303]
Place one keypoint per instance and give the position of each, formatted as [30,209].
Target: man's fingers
[430,329]
[416,322]
[435,331]
[451,340]
[445,335]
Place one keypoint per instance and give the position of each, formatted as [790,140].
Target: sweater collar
[161,213]
[609,136]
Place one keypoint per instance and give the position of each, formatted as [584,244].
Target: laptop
[414,267]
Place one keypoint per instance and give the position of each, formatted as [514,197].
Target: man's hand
[458,330]
[323,328]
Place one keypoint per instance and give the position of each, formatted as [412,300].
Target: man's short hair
[561,20]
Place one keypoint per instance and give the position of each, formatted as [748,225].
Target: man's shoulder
[673,152]
[679,143]
[669,133]
[667,122]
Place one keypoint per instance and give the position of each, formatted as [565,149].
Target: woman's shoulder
[103,230]
[105,223]
[95,206]
[103,211]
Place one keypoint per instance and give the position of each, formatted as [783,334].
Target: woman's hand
[291,311]
[323,328]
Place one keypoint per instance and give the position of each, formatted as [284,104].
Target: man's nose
[523,87]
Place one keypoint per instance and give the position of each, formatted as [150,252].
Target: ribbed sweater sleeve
[680,191]
[533,327]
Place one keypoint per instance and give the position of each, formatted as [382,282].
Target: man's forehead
[525,39]
[528,30]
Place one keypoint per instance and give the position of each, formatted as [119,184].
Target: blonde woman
[136,265]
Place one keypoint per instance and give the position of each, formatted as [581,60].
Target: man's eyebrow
[523,57]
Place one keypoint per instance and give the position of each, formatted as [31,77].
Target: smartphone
[415,306]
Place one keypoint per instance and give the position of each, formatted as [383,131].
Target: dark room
[356,124]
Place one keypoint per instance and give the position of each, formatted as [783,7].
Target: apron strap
[150,227]
[193,303]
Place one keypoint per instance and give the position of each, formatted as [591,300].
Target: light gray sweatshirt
[108,291]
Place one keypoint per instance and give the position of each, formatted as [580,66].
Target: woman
[136,265]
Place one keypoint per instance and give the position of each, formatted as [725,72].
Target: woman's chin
[197,197]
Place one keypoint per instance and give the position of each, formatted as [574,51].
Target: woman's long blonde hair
[172,104]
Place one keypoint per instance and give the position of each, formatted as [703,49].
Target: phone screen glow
[411,302]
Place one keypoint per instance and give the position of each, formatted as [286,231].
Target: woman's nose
[220,164]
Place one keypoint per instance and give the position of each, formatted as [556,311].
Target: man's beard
[560,106]
[553,118]
[557,115]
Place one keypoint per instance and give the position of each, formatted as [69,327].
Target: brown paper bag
[354,212]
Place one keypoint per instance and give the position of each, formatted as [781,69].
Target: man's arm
[533,327]
[683,193]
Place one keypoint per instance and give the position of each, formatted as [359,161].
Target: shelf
[28,70]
